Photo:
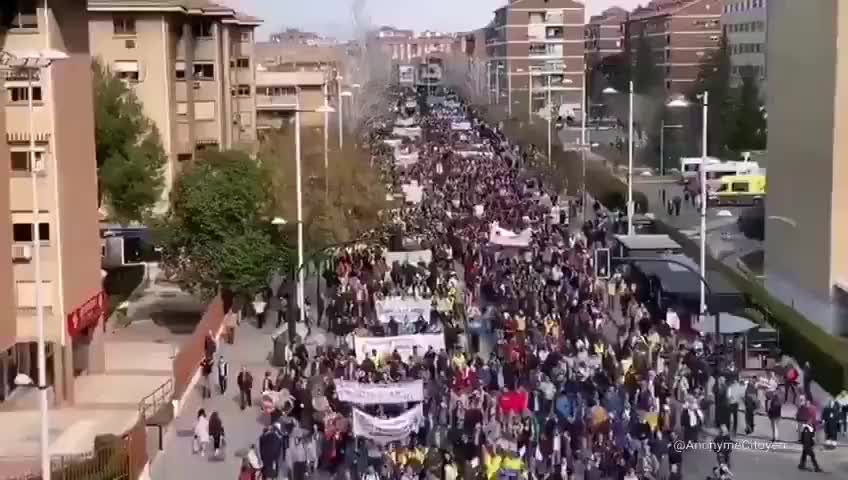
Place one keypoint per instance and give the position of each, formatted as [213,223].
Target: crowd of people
[479,341]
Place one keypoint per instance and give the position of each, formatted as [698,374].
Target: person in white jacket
[201,432]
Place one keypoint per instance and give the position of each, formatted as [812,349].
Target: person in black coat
[808,441]
[270,449]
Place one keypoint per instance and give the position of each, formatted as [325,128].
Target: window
[204,71]
[245,36]
[23,232]
[24,16]
[124,25]
[739,187]
[243,91]
[668,84]
[202,29]
[20,160]
[21,94]
[668,69]
[182,109]
[241,62]
[245,119]
[204,110]
[26,294]
[127,70]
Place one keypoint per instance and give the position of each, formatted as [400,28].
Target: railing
[152,403]
[276,100]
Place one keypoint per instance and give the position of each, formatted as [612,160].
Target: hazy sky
[334,17]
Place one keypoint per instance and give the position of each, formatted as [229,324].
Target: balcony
[276,102]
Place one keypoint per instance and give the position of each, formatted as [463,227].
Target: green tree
[218,232]
[714,77]
[749,129]
[130,157]
[340,203]
[646,75]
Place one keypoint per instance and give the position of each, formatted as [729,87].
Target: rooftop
[188,7]
[658,8]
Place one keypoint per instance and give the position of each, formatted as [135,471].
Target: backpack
[791,375]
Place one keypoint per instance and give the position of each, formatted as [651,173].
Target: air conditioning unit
[129,43]
[21,252]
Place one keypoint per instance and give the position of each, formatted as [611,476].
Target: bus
[716,171]
[689,167]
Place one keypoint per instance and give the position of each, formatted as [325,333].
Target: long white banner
[405,159]
[506,238]
[413,258]
[410,132]
[405,122]
[387,430]
[402,343]
[461,126]
[403,310]
[379,393]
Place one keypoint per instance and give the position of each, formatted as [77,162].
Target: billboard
[406,75]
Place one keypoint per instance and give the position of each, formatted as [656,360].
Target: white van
[689,167]
[715,172]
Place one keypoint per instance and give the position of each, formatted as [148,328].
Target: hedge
[799,337]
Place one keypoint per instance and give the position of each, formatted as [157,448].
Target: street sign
[602,263]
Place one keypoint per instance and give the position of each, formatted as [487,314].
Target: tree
[218,232]
[714,77]
[646,75]
[341,203]
[130,157]
[749,129]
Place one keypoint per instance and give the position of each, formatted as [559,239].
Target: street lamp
[489,81]
[299,189]
[32,62]
[663,127]
[630,94]
[529,92]
[681,102]
[509,93]
[550,114]
[499,68]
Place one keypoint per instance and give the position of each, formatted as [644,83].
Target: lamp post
[681,103]
[663,127]
[509,92]
[32,64]
[498,69]
[489,81]
[299,192]
[339,79]
[583,146]
[630,97]
[529,94]
[550,114]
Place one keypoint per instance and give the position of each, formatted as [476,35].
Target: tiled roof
[185,6]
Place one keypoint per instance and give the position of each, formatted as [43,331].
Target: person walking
[201,433]
[807,380]
[775,411]
[216,432]
[223,374]
[245,385]
[723,446]
[808,441]
[751,404]
[206,371]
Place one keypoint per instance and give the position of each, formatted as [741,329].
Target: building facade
[806,254]
[192,65]
[744,25]
[680,34]
[404,46]
[531,42]
[61,126]
[605,34]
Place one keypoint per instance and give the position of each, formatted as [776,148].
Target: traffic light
[602,263]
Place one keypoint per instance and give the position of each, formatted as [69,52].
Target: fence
[192,350]
[153,403]
[112,458]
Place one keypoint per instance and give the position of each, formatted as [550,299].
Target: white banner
[405,122]
[507,238]
[379,393]
[403,310]
[473,153]
[393,142]
[402,343]
[405,159]
[462,126]
[387,430]
[413,192]
[414,257]
[411,132]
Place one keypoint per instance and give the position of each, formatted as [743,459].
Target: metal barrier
[153,403]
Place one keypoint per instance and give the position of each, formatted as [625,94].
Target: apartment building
[292,74]
[404,46]
[192,65]
[806,254]
[61,127]
[531,41]
[744,25]
[680,33]
[605,34]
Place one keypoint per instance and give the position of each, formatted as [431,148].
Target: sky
[334,17]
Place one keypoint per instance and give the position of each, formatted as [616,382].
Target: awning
[729,324]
